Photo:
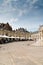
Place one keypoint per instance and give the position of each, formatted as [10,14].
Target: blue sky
[22,13]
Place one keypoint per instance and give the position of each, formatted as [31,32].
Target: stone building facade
[38,34]
[5,29]
[41,31]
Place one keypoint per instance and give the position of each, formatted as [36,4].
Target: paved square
[21,53]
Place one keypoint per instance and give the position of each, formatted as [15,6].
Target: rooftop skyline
[22,13]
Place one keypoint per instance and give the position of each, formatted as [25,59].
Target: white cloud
[34,1]
[30,4]
[22,12]
[8,1]
[27,1]
[14,20]
[8,8]
[5,2]
[15,0]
